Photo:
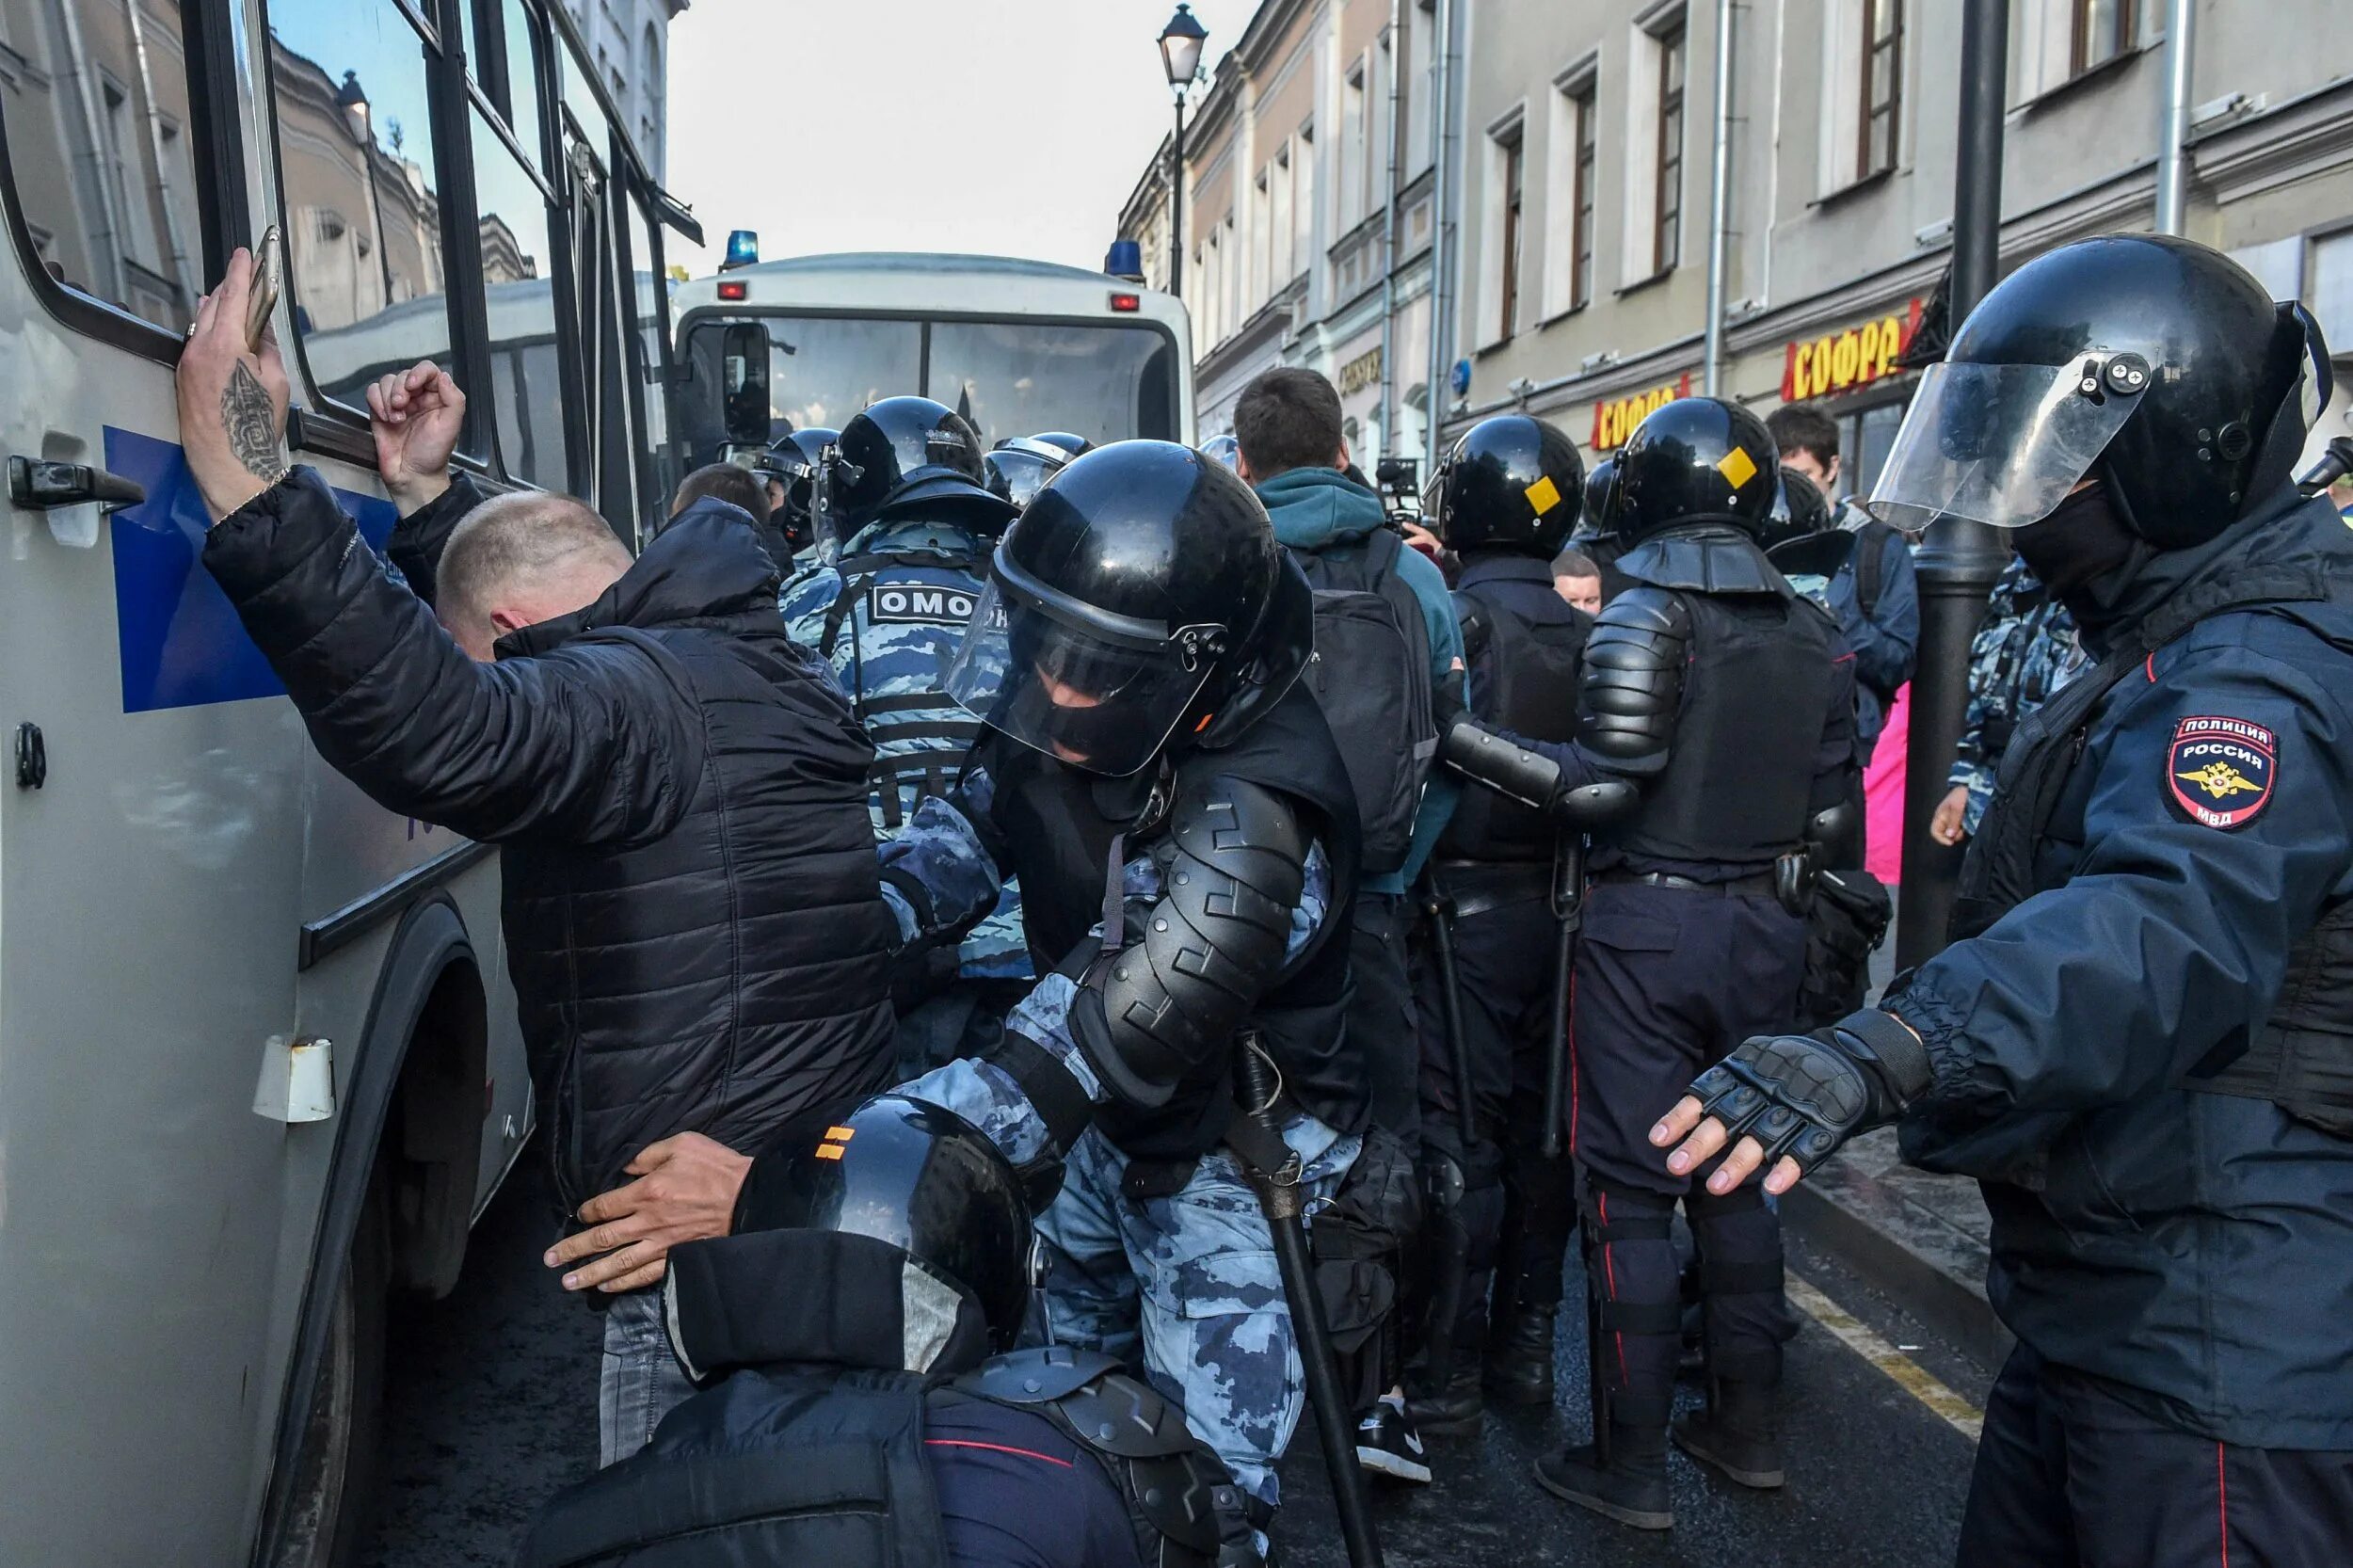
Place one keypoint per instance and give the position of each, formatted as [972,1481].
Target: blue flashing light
[742,249]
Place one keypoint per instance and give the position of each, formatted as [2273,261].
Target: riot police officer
[1712,686]
[1507,498]
[2138,1040]
[791,468]
[852,1412]
[908,499]
[1020,466]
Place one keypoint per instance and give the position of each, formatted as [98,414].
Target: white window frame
[1505,134]
[1580,80]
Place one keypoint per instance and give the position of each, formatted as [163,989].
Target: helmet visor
[1097,702]
[1998,445]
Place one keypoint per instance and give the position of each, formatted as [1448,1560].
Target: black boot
[1738,1433]
[1631,1488]
[1519,1364]
[1453,1410]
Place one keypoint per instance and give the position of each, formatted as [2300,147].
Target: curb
[1931,1267]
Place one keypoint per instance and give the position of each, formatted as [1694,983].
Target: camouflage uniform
[2024,650]
[891,638]
[1185,1284]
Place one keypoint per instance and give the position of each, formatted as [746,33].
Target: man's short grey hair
[526,537]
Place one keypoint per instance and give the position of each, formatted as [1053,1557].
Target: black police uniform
[1714,685]
[848,1416]
[1492,880]
[2140,1047]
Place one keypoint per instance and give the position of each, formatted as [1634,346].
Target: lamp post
[353,100]
[1180,56]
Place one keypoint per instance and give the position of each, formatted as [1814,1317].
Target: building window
[1667,226]
[1354,147]
[1304,200]
[1511,147]
[1882,85]
[2102,30]
[1420,46]
[1582,176]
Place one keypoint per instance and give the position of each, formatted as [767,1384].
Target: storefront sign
[1824,367]
[1360,372]
[1614,422]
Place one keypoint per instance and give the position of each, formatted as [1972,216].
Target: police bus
[259,1063]
[1016,347]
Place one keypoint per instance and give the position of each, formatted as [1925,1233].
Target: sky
[1004,127]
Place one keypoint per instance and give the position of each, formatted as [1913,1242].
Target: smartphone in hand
[269,265]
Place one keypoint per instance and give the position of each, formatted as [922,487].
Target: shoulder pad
[1037,1376]
[1252,833]
[1649,608]
[1124,1418]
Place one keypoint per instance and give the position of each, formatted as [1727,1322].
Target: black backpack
[1370,675]
[1523,677]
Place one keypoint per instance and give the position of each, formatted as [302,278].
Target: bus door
[150,856]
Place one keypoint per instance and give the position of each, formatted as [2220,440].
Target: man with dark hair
[694,920]
[1875,595]
[747,492]
[1389,661]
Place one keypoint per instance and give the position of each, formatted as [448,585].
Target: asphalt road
[492,1407]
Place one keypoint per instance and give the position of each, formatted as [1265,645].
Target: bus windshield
[1012,377]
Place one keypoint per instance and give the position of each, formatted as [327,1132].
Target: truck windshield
[1012,377]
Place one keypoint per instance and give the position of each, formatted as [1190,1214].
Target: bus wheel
[331,1503]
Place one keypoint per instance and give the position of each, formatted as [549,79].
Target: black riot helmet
[1600,499]
[917,1178]
[910,456]
[1223,450]
[1020,466]
[1513,485]
[2150,362]
[1799,509]
[1695,459]
[1141,597]
[792,464]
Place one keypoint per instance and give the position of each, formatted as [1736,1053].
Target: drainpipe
[1441,227]
[2173,124]
[1719,205]
[1388,238]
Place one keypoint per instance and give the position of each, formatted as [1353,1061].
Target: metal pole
[1176,204]
[1960,559]
[1441,229]
[1719,201]
[2173,124]
[1388,238]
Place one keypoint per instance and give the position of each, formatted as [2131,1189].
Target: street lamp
[361,119]
[1180,56]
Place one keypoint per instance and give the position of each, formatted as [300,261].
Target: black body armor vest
[1070,833]
[2302,1058]
[1523,677]
[1739,780]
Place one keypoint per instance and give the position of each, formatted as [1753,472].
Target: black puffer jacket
[694,923]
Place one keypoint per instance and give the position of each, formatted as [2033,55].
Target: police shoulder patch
[2221,770]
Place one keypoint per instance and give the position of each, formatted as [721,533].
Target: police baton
[1274,1170]
[1440,908]
[1568,913]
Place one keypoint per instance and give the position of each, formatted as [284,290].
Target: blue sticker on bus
[182,643]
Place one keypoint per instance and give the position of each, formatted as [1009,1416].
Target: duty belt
[1761,884]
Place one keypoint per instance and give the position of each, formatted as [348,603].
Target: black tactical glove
[1804,1095]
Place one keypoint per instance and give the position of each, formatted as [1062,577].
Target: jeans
[641,1382]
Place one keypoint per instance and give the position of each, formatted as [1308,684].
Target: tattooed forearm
[247,416]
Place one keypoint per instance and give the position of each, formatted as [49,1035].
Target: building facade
[631,42]
[1580,146]
[1308,224]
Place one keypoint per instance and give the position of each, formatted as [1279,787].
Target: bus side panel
[151,897]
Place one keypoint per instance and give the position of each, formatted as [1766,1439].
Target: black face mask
[2080,542]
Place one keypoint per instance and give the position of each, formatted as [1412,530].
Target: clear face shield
[1097,696]
[2003,444]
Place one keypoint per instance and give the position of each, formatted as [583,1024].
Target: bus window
[98,143]
[518,294]
[356,166]
[650,300]
[1015,378]
[821,371]
[502,54]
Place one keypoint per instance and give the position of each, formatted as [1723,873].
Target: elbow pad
[1633,683]
[1156,1013]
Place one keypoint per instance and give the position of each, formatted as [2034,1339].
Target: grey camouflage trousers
[1186,1286]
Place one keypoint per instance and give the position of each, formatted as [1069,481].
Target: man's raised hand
[416,416]
[232,401]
